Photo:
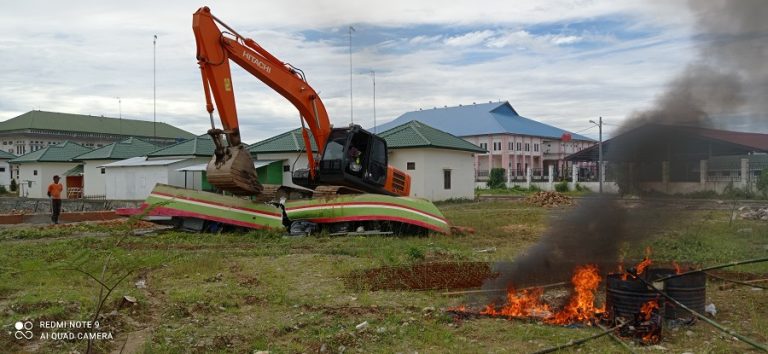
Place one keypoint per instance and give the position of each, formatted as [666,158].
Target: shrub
[534,188]
[497,179]
[562,186]
[581,188]
[3,190]
[762,182]
[13,185]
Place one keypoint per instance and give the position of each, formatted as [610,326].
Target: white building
[134,178]
[94,174]
[35,130]
[440,164]
[36,169]
[5,169]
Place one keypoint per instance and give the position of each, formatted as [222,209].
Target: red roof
[752,140]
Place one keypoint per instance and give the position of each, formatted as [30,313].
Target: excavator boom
[358,158]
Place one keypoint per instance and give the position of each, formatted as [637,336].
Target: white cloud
[77,56]
[468,39]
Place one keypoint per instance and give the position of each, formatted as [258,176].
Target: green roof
[198,146]
[131,147]
[74,171]
[63,152]
[291,141]
[43,120]
[6,155]
[416,134]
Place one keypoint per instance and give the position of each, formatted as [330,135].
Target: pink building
[512,142]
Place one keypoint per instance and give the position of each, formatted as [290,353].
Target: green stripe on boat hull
[174,201]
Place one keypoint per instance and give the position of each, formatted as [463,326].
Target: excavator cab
[353,158]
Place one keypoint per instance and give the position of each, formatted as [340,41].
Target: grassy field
[261,291]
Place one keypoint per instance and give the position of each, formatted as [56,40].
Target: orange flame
[677,267]
[527,303]
[645,263]
[581,306]
[647,311]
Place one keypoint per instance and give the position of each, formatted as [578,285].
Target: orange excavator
[347,160]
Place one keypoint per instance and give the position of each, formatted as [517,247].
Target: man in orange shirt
[54,191]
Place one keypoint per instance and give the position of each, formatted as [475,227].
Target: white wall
[5,174]
[94,182]
[427,177]
[136,182]
[45,173]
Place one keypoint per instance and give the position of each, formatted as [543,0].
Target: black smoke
[725,87]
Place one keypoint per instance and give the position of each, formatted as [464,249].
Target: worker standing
[54,191]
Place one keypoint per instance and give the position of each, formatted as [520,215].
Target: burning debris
[529,303]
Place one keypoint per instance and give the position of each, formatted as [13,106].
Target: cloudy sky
[562,62]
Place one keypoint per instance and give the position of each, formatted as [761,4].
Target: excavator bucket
[234,172]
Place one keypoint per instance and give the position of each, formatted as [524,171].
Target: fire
[677,267]
[527,303]
[645,263]
[647,309]
[581,306]
[646,313]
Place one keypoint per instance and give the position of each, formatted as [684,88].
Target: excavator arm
[214,50]
[355,158]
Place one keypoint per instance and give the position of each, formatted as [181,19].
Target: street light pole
[600,164]
[351,102]
[154,87]
[373,73]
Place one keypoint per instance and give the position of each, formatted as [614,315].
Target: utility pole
[351,102]
[154,87]
[119,107]
[600,164]
[373,73]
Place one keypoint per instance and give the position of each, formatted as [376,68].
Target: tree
[497,178]
[13,185]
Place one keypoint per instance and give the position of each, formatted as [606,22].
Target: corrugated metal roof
[142,161]
[74,171]
[198,146]
[480,119]
[84,123]
[203,166]
[291,141]
[127,148]
[63,152]
[6,155]
[416,134]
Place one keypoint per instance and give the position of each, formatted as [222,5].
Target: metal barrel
[624,298]
[690,290]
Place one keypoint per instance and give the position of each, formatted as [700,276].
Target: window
[496,146]
[34,172]
[535,147]
[447,179]
[103,170]
[519,147]
[410,166]
[511,146]
[286,168]
[527,147]
[2,169]
[484,146]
